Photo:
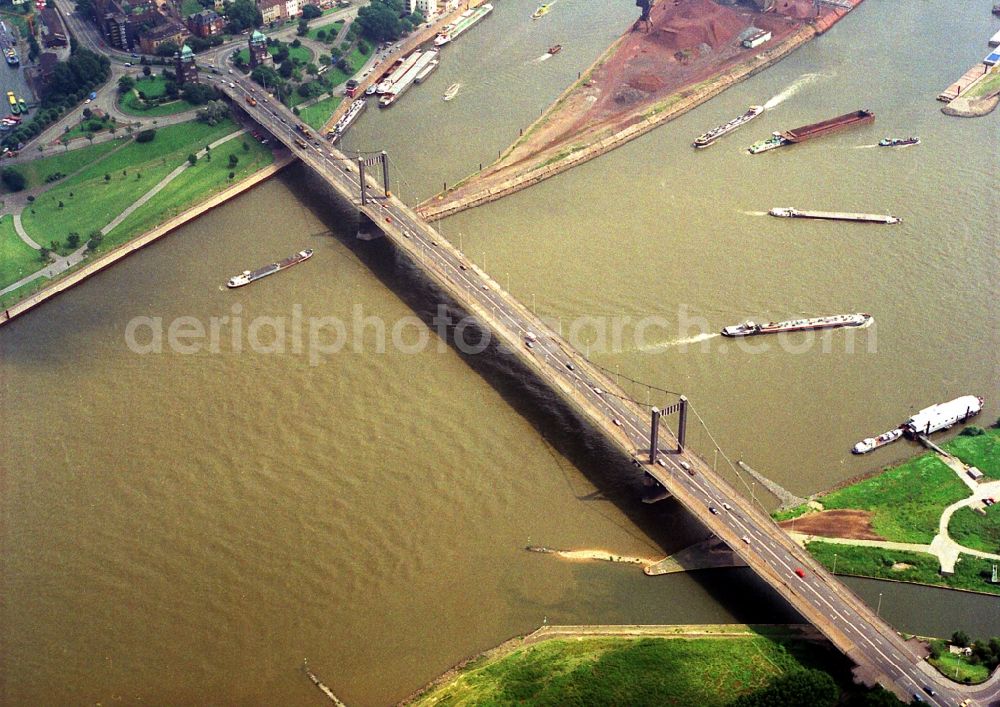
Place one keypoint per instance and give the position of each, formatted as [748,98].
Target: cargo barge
[813,130]
[788,212]
[466,21]
[408,79]
[833,322]
[347,120]
[247,276]
[399,70]
[715,133]
[428,70]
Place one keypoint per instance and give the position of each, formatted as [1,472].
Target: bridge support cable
[729,461]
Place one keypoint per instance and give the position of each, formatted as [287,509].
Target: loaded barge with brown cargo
[808,132]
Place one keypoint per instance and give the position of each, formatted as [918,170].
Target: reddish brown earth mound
[799,9]
[679,27]
[853,524]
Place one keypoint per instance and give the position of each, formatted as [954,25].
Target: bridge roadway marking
[454,273]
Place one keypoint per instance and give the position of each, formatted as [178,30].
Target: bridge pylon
[679,407]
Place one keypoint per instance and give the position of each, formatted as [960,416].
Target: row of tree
[386,20]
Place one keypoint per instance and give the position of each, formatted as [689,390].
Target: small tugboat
[555,49]
[871,443]
[898,141]
[840,320]
[247,276]
[452,91]
[769,144]
[542,10]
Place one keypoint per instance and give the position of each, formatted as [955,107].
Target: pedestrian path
[61,264]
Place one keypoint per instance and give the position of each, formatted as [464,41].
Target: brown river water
[184,527]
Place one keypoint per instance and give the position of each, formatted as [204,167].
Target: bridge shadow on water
[666,523]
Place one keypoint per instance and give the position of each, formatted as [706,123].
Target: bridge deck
[841,616]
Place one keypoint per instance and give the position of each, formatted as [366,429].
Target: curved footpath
[135,244]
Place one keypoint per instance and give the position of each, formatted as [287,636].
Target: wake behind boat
[715,133]
[750,328]
[247,276]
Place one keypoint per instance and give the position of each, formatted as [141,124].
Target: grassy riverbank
[108,181]
[634,670]
[971,573]
[316,115]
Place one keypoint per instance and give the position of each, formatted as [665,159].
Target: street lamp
[835,563]
[879,608]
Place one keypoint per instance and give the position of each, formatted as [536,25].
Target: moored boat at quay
[715,133]
[357,108]
[466,21]
[248,276]
[869,444]
[750,328]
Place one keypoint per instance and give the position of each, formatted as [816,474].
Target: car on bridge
[800,572]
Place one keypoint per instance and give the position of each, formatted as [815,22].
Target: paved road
[831,607]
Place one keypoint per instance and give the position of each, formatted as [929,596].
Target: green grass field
[154,86]
[958,668]
[906,501]
[90,202]
[971,573]
[334,28]
[17,258]
[621,671]
[982,451]
[192,186]
[66,163]
[356,59]
[980,532]
[318,113]
[986,86]
[83,127]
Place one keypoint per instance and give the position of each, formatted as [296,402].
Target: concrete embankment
[126,249]
[492,185]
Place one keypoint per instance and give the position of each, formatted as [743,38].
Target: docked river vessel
[869,444]
[813,130]
[466,21]
[834,322]
[943,415]
[247,276]
[417,68]
[8,45]
[347,120]
[715,133]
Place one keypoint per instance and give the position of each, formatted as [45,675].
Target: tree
[232,174]
[43,254]
[213,112]
[146,135]
[87,113]
[126,84]
[286,69]
[233,161]
[960,639]
[192,159]
[800,687]
[243,14]
[311,12]
[246,147]
[296,43]
[303,29]
[94,240]
[146,71]
[73,240]
[13,179]
[321,35]
[107,177]
[312,69]
[90,136]
[380,21]
[197,94]
[167,49]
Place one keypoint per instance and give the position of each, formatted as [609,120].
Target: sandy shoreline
[522,166]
